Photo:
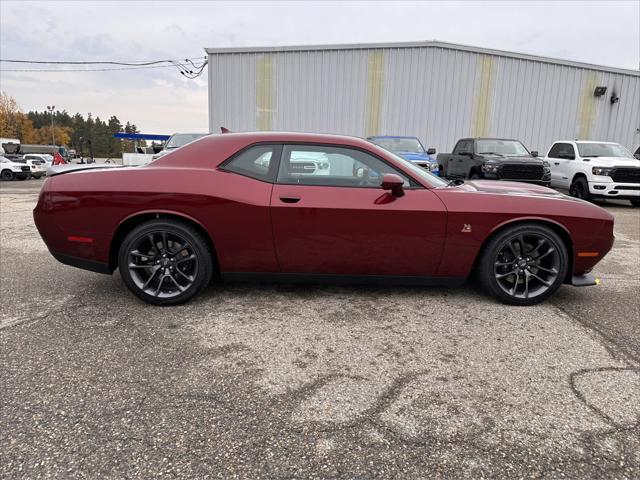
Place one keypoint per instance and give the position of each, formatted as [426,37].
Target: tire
[635,202]
[499,267]
[37,177]
[474,176]
[174,268]
[580,189]
[7,175]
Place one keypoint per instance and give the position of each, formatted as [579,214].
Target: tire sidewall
[205,262]
[490,252]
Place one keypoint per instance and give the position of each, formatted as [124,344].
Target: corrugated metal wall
[437,94]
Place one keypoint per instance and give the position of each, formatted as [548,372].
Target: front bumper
[613,189]
[545,181]
[428,166]
[585,280]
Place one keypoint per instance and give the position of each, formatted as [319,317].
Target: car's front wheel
[6,175]
[523,265]
[580,189]
[165,262]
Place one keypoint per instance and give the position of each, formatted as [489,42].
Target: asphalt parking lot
[307,382]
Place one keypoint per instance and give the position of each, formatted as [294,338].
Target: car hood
[612,162]
[510,188]
[415,157]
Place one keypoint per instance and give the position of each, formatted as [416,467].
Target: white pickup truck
[595,170]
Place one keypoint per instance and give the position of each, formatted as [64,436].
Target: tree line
[34,127]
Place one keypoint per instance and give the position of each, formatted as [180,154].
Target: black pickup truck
[494,159]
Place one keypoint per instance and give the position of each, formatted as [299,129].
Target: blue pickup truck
[410,149]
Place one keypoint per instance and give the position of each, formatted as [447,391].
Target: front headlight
[601,171]
[488,168]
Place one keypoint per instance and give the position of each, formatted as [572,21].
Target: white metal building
[436,91]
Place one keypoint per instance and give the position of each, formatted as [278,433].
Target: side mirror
[391,181]
[534,153]
[431,151]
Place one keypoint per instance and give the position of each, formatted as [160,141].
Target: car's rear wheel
[523,265]
[580,189]
[165,262]
[6,175]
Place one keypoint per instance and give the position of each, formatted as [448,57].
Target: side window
[562,150]
[257,162]
[463,146]
[332,167]
[553,153]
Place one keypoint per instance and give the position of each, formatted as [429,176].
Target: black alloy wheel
[165,262]
[580,189]
[524,265]
[6,175]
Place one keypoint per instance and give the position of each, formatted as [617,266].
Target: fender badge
[466,228]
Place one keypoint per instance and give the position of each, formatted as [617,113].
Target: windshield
[603,150]
[421,173]
[397,145]
[501,147]
[180,139]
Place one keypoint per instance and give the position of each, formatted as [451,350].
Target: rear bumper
[82,263]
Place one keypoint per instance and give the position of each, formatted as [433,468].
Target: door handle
[556,163]
[290,199]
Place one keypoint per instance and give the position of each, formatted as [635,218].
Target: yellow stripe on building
[375,85]
[483,94]
[265,92]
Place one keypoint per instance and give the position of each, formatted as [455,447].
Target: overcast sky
[161,101]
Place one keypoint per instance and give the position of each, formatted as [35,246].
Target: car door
[342,222]
[460,158]
[560,157]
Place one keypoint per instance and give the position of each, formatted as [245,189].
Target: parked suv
[43,159]
[595,170]
[10,170]
[409,148]
[494,159]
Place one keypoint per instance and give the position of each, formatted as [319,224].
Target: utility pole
[53,134]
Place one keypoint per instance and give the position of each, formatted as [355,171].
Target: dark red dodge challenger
[306,207]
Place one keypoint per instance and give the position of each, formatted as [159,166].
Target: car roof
[391,136]
[493,138]
[294,137]
[585,141]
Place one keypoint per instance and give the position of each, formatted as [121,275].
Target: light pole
[53,135]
